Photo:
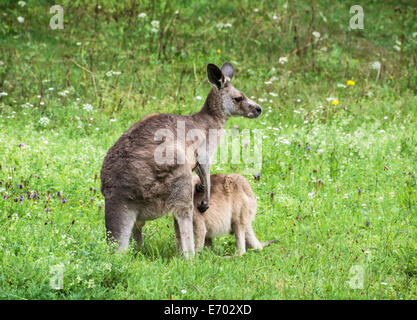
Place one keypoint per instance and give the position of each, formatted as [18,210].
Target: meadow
[338,183]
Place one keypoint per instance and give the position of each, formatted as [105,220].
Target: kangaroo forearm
[203,171]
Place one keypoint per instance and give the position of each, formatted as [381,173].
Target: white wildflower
[142,15]
[283,60]
[183,291]
[341,85]
[111,72]
[316,34]
[87,107]
[376,65]
[283,141]
[90,283]
[20,19]
[44,121]
[21,3]
[330,99]
[155,24]
[63,93]
[26,105]
[3,94]
[397,48]
[107,266]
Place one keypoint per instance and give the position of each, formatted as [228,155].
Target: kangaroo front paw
[203,206]
[199,187]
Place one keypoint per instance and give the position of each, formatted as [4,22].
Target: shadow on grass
[159,250]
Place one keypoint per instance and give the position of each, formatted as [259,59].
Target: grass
[338,184]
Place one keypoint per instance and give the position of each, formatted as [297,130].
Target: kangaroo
[232,210]
[148,171]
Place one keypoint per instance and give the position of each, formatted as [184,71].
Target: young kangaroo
[232,210]
[148,171]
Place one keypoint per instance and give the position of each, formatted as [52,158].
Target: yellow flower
[391,77]
[218,51]
[350,83]
[335,102]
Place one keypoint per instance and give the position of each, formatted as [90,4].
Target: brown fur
[232,210]
[137,189]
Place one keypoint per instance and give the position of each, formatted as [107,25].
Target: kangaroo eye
[238,99]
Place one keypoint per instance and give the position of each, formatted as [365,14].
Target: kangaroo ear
[228,70]
[215,76]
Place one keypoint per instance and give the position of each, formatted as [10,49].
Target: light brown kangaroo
[148,171]
[232,210]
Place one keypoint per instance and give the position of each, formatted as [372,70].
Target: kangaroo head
[234,102]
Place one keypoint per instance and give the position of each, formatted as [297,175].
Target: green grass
[362,213]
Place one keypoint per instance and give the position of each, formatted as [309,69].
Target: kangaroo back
[237,183]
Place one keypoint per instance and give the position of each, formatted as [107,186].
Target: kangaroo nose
[258,109]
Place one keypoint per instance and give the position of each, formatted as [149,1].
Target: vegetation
[337,188]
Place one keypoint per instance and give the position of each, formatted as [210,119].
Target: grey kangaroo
[138,186]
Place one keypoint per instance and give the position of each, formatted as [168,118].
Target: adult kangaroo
[148,171]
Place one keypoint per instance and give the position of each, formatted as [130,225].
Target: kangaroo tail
[267,243]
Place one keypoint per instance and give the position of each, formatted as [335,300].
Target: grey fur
[137,189]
